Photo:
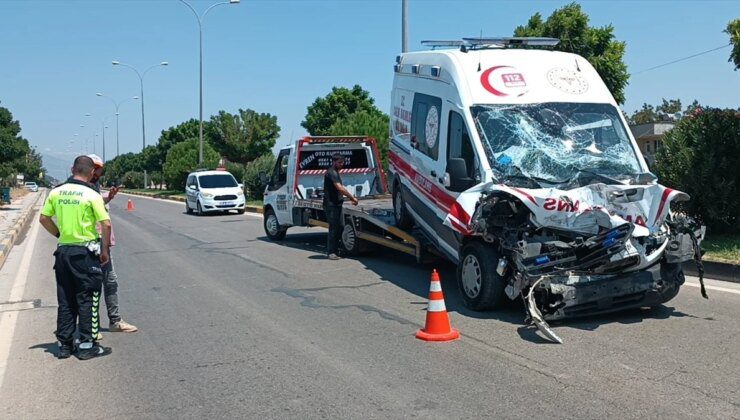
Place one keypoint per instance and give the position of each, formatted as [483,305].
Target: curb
[8,240]
[715,271]
[251,209]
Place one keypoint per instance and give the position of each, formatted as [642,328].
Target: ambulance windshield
[555,142]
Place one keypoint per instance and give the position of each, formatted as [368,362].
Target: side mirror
[264,180]
[457,170]
[241,186]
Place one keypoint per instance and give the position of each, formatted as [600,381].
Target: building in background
[649,137]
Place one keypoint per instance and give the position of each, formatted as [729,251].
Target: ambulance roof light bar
[511,41]
[502,42]
[437,44]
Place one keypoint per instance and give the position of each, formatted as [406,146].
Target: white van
[520,167]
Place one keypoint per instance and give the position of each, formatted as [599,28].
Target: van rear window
[321,159]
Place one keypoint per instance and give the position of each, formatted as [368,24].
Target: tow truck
[294,195]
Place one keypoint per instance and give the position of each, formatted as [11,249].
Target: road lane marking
[248,213]
[715,288]
[9,319]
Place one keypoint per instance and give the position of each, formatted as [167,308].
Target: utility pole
[404,26]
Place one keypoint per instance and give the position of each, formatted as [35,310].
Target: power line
[682,59]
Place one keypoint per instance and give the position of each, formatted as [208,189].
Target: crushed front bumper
[577,296]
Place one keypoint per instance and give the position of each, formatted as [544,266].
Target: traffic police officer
[80,255]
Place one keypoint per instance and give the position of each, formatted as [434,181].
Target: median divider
[251,209]
[8,238]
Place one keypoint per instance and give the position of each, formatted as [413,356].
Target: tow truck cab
[295,189]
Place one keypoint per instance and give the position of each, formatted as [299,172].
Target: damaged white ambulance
[517,164]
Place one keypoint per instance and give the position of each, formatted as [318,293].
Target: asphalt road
[234,326]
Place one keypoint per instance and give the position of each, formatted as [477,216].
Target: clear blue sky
[278,56]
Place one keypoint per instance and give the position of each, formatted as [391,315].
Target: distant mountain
[57,167]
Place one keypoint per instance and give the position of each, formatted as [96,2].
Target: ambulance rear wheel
[272,226]
[481,287]
[400,212]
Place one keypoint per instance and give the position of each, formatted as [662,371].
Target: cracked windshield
[553,142]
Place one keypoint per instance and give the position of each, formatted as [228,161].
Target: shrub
[133,179]
[236,169]
[252,184]
[182,159]
[701,156]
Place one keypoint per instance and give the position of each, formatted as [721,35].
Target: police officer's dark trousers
[79,279]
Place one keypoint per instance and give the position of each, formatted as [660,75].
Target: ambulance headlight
[207,195]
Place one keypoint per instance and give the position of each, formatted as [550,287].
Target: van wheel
[351,244]
[480,285]
[272,227]
[200,209]
[400,213]
[188,210]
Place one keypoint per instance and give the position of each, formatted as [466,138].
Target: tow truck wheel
[480,285]
[351,244]
[401,214]
[272,226]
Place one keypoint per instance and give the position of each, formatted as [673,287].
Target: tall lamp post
[141,82]
[103,128]
[117,105]
[200,83]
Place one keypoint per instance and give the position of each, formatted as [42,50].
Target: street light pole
[117,105]
[404,26]
[104,127]
[200,77]
[141,84]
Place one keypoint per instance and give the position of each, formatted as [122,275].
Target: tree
[733,30]
[16,154]
[338,104]
[364,123]
[183,159]
[597,45]
[666,111]
[252,183]
[245,136]
[644,115]
[178,134]
[700,156]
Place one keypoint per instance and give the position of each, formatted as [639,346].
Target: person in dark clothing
[79,258]
[334,193]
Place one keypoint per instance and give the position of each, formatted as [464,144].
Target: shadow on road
[403,271]
[51,348]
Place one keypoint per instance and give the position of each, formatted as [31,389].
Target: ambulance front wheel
[481,287]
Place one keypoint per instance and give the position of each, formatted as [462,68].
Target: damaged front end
[585,251]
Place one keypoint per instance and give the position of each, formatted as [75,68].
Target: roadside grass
[722,248]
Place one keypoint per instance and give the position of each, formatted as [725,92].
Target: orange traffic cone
[437,327]
[130,206]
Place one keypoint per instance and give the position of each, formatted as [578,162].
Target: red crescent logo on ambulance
[511,81]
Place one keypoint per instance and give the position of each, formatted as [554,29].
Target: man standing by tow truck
[80,256]
[110,278]
[334,193]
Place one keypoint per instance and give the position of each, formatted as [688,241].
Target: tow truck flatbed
[372,221]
